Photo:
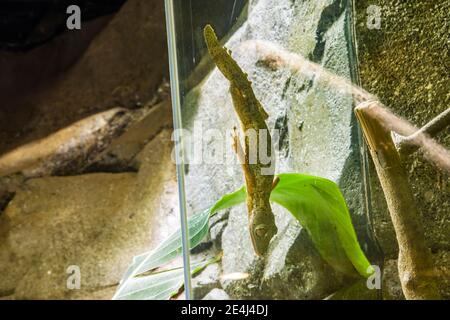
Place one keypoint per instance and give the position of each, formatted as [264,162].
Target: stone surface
[292,269]
[51,223]
[356,291]
[105,142]
[217,294]
[95,221]
[206,281]
[121,153]
[392,288]
[69,150]
[316,123]
[217,225]
[122,67]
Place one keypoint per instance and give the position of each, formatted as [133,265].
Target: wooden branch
[415,264]
[417,275]
[275,57]
[408,145]
[432,151]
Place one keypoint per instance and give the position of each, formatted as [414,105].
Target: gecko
[252,116]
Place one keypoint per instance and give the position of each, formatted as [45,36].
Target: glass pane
[300,62]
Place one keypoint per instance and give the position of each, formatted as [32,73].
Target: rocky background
[86,176]
[406,64]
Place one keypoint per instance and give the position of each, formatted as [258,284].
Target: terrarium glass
[300,61]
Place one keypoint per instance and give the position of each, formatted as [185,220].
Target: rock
[69,150]
[356,291]
[206,281]
[97,222]
[292,259]
[295,260]
[147,123]
[53,223]
[217,225]
[101,294]
[8,186]
[196,67]
[442,263]
[107,141]
[392,288]
[216,294]
[319,139]
[122,66]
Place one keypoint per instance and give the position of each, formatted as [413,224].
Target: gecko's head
[262,230]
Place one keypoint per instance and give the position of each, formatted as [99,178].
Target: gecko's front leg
[262,225]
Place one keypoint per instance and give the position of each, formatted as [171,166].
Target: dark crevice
[112,165]
[5,199]
[26,24]
[281,124]
[201,247]
[286,87]
[307,85]
[6,293]
[328,17]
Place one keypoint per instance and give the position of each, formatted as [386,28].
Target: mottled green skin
[252,117]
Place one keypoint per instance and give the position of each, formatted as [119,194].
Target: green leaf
[160,285]
[171,248]
[319,206]
[230,200]
[315,202]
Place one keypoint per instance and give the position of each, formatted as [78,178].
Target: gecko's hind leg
[237,146]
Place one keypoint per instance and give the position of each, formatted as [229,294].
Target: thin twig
[276,57]
[433,151]
[408,145]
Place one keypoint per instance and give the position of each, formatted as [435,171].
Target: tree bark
[415,265]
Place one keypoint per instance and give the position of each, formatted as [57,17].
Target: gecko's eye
[261,230]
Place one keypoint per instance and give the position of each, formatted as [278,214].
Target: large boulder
[121,66]
[96,222]
[93,117]
[317,136]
